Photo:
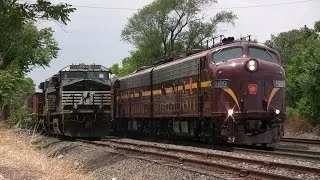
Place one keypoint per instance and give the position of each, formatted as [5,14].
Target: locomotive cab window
[226,54]
[263,54]
[85,75]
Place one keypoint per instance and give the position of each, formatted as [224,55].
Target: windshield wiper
[219,51]
[268,52]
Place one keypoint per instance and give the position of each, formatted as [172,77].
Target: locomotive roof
[85,67]
[195,56]
[239,42]
[158,67]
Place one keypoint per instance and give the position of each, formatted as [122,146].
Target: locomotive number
[279,84]
[220,84]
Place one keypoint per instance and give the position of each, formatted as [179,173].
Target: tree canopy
[167,28]
[300,51]
[18,34]
[24,46]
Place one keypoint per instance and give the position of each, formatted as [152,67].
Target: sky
[94,34]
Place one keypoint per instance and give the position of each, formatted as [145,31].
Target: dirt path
[19,160]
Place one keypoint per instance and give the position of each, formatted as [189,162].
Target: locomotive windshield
[85,75]
[226,54]
[263,54]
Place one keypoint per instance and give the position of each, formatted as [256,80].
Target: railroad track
[301,141]
[283,152]
[207,160]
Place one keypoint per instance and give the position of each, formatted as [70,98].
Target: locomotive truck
[75,102]
[233,92]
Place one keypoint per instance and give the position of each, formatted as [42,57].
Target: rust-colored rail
[220,156]
[244,172]
[283,152]
[302,141]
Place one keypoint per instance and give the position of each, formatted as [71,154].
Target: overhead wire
[265,5]
[222,8]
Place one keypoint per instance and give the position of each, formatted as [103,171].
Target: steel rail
[212,155]
[311,153]
[244,172]
[283,152]
[302,141]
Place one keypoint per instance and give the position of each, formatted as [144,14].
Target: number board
[221,83]
[84,66]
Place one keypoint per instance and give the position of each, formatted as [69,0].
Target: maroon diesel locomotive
[233,92]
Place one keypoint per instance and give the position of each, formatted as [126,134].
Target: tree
[301,51]
[317,26]
[16,20]
[13,87]
[30,47]
[287,43]
[303,77]
[166,28]
[23,46]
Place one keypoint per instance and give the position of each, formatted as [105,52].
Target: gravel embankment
[265,158]
[107,163]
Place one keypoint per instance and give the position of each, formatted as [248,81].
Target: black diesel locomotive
[76,102]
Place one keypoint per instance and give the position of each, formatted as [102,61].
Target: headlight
[252,65]
[230,112]
[75,106]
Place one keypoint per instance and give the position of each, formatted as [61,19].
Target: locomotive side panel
[176,89]
[135,96]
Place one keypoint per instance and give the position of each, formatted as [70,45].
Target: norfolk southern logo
[86,99]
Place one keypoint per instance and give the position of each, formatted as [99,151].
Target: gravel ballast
[112,164]
[107,163]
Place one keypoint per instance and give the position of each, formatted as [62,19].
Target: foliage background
[167,28]
[22,47]
[300,51]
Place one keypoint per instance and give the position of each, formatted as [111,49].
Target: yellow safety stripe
[273,92]
[231,93]
[203,84]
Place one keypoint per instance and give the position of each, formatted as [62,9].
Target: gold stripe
[273,92]
[189,86]
[156,92]
[205,84]
[146,93]
[169,90]
[231,93]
